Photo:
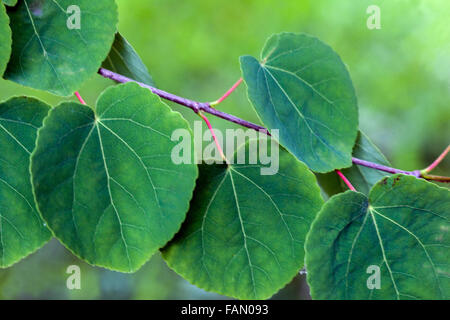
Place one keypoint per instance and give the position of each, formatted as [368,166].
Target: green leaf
[22,230]
[302,88]
[362,178]
[10,3]
[124,60]
[47,54]
[402,228]
[5,39]
[245,232]
[104,180]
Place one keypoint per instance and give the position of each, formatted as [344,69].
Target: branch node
[416,173]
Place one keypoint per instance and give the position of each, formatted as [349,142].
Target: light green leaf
[362,178]
[104,181]
[22,230]
[124,60]
[245,232]
[5,39]
[10,3]
[402,228]
[47,54]
[302,88]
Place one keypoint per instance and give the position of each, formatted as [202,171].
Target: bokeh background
[401,74]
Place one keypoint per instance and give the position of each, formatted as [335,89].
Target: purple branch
[234,119]
[380,167]
[194,105]
[206,107]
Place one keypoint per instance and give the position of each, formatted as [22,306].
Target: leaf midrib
[229,173]
[111,197]
[243,232]
[44,51]
[302,80]
[96,126]
[418,241]
[370,211]
[14,138]
[297,110]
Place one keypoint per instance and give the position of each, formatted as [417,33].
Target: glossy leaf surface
[22,231]
[104,180]
[393,244]
[301,87]
[59,44]
[245,232]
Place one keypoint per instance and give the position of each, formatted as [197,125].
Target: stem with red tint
[215,103]
[213,135]
[346,181]
[437,161]
[77,94]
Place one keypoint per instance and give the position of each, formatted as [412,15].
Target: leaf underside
[302,88]
[123,59]
[402,228]
[104,180]
[22,230]
[244,233]
[362,178]
[47,55]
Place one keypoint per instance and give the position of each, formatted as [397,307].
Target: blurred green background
[401,74]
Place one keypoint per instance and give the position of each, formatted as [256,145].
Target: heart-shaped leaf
[59,44]
[362,178]
[244,233]
[5,39]
[22,230]
[302,88]
[104,180]
[392,245]
[124,60]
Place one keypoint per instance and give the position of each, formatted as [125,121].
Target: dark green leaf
[22,230]
[47,55]
[401,228]
[104,180]
[124,60]
[362,178]
[5,39]
[302,88]
[245,232]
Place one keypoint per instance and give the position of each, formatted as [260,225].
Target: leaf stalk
[346,181]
